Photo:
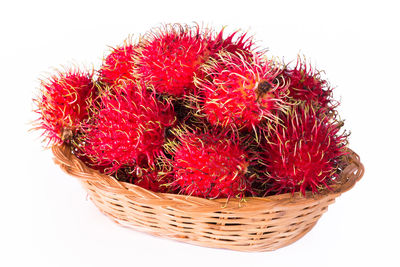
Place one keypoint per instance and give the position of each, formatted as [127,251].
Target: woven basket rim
[63,156]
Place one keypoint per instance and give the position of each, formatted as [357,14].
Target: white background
[46,219]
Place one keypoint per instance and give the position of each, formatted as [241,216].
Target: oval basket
[255,224]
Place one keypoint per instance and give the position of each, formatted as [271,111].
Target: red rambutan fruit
[241,93]
[127,128]
[235,43]
[119,64]
[169,58]
[210,165]
[307,85]
[305,152]
[154,180]
[62,104]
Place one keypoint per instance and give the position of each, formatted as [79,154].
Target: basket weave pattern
[256,224]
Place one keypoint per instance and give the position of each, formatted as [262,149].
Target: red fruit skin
[118,65]
[127,128]
[154,181]
[169,58]
[241,93]
[62,104]
[151,178]
[307,85]
[235,43]
[210,166]
[304,153]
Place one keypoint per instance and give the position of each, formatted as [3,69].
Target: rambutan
[169,58]
[199,112]
[119,64]
[62,104]
[127,128]
[234,43]
[307,85]
[210,165]
[241,93]
[154,180]
[304,152]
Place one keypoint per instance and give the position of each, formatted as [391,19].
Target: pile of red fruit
[189,110]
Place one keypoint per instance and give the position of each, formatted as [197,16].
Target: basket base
[263,240]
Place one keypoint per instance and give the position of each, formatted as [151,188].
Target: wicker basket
[256,224]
